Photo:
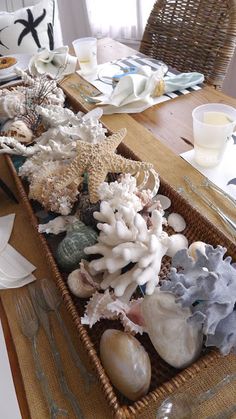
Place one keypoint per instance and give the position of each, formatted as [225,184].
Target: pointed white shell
[177,341]
[177,222]
[126,362]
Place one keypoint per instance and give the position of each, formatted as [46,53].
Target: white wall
[74,20]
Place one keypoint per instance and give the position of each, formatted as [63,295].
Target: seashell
[177,222]
[19,130]
[200,246]
[176,242]
[81,283]
[126,363]
[177,341]
[71,249]
[164,200]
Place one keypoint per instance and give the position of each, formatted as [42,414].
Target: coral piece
[126,363]
[176,221]
[208,286]
[124,239]
[98,160]
[23,100]
[42,189]
[11,103]
[225,335]
[122,192]
[71,249]
[58,225]
[177,341]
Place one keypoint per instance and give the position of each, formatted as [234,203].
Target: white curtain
[123,20]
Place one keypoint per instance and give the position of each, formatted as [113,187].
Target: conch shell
[177,341]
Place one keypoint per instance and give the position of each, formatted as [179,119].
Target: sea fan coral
[208,286]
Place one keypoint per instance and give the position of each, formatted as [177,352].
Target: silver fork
[52,302]
[231,224]
[38,300]
[29,325]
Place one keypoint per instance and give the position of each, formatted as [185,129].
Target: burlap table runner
[93,404]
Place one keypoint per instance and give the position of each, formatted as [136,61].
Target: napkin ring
[159,88]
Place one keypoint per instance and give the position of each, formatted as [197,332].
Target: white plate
[22,61]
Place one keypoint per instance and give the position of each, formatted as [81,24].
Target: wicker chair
[193,35]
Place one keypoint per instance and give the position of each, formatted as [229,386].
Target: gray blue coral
[208,287]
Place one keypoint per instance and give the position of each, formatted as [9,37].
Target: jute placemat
[93,404]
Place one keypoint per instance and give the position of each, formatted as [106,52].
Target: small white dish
[22,62]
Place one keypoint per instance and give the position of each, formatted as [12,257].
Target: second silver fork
[36,297]
[29,325]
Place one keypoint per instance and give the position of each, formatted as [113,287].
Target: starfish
[97,160]
[30,26]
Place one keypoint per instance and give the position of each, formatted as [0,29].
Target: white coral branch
[125,239]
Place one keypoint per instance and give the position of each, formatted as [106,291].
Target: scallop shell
[176,242]
[200,246]
[177,341]
[177,222]
[164,200]
[126,363]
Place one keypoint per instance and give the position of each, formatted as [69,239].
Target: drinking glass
[213,125]
[86,52]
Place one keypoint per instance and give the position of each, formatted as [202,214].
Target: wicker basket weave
[192,35]
[165,379]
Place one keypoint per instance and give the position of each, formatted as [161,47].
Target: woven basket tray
[165,379]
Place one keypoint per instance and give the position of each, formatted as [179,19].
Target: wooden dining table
[157,135]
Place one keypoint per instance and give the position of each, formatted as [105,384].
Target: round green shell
[71,249]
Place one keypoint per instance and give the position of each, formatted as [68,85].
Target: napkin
[56,63]
[15,269]
[137,92]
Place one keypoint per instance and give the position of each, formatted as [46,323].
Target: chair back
[192,35]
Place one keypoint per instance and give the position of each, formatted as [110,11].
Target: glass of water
[86,52]
[213,125]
